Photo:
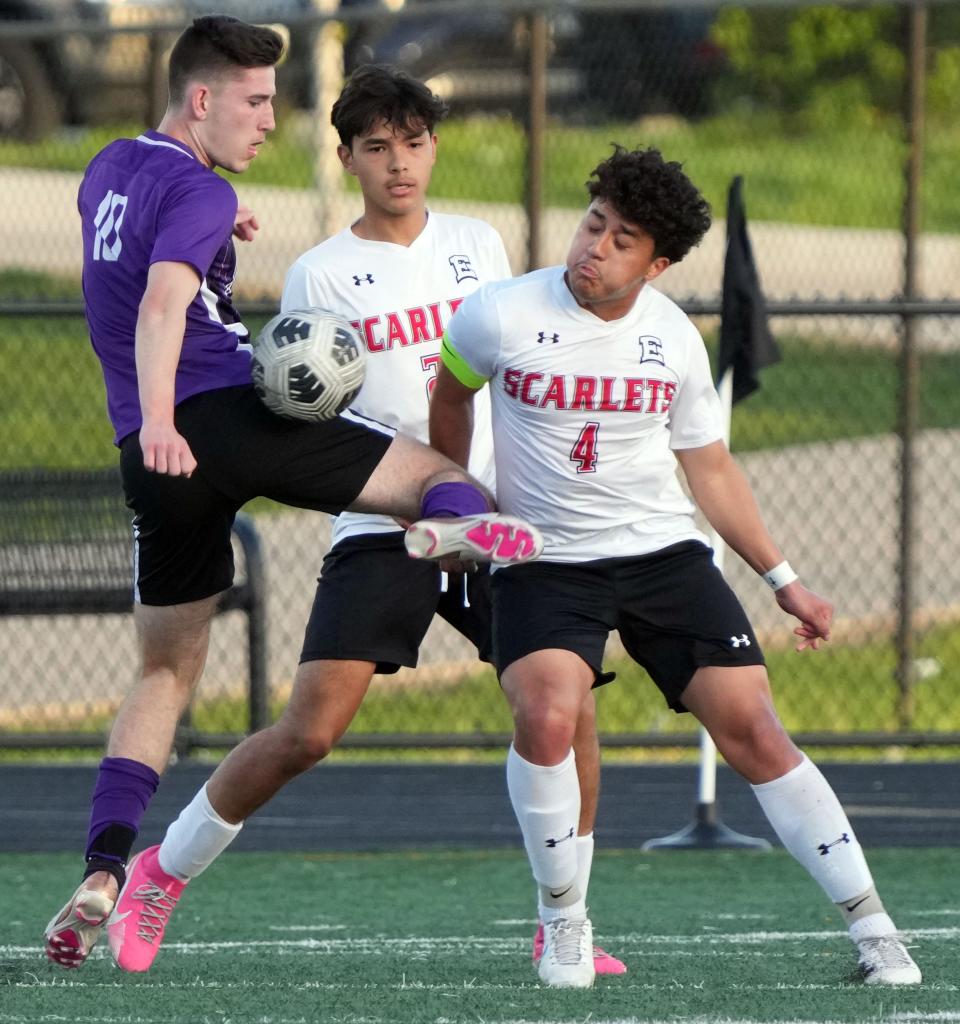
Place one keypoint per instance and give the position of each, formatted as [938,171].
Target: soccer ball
[308,364]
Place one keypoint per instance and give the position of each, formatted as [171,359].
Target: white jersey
[400,299]
[587,413]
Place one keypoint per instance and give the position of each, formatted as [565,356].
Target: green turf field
[444,938]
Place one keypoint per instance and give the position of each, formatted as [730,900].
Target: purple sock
[451,500]
[120,797]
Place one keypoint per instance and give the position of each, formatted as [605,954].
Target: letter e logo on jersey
[463,268]
[651,349]
[109,218]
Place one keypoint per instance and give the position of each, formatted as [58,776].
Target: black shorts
[243,451]
[374,603]
[674,610]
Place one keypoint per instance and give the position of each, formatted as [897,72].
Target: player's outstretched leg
[486,537]
[812,825]
[136,926]
[73,932]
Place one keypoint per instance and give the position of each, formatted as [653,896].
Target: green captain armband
[459,367]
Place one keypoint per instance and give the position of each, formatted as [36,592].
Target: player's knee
[546,730]
[304,744]
[171,683]
[760,749]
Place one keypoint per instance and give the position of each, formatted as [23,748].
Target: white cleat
[567,960]
[488,537]
[884,960]
[74,931]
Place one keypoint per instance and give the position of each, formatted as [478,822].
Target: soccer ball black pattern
[308,364]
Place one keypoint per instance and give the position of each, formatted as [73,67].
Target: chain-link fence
[838,116]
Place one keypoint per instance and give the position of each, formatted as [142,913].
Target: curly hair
[377,91]
[655,195]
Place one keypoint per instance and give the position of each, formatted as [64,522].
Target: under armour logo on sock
[824,848]
[551,843]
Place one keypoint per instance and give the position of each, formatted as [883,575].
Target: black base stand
[706,832]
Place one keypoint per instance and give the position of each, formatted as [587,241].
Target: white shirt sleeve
[474,332]
[696,414]
[303,289]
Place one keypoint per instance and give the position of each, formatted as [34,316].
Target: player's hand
[165,451]
[814,612]
[245,224]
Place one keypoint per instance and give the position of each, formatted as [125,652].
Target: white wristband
[779,576]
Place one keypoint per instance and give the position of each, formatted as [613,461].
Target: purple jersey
[143,201]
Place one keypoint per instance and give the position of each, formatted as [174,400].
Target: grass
[814,177]
[444,938]
[819,392]
[843,689]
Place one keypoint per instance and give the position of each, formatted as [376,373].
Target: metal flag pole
[707,831]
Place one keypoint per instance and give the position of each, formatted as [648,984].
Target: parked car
[98,74]
[84,76]
[40,83]
[601,64]
[614,63]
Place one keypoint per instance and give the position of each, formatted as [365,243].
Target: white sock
[584,864]
[195,840]
[546,801]
[806,814]
[872,927]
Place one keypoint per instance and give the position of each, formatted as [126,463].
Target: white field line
[624,984]
[894,1018]
[455,945]
[307,928]
[940,1017]
[192,1019]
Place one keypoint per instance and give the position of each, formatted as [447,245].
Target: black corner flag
[746,343]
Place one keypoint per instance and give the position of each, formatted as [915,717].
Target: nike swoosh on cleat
[117,918]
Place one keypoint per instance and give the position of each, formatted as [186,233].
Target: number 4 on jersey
[584,451]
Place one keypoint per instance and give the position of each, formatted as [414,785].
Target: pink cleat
[136,926]
[74,931]
[603,962]
[489,537]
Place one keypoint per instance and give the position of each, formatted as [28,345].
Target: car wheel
[29,108]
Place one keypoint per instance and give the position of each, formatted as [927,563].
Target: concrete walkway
[794,261]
